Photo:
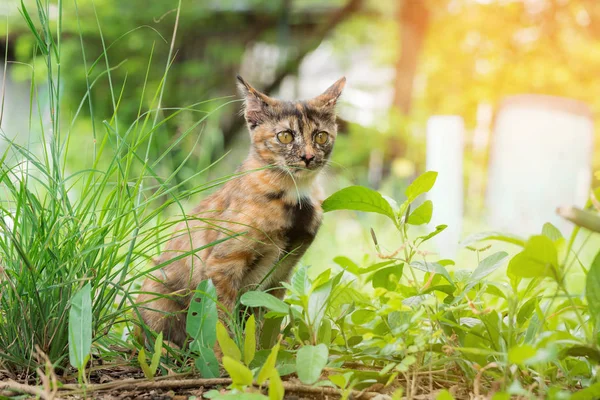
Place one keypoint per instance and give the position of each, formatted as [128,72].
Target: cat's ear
[329,97]
[256,104]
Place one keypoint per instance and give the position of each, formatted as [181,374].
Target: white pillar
[445,143]
[540,159]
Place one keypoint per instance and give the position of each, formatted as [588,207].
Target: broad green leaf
[300,281]
[317,304]
[538,259]
[591,353]
[339,380]
[80,327]
[207,363]
[262,299]
[347,264]
[269,366]
[519,354]
[527,310]
[381,278]
[270,329]
[227,345]
[240,374]
[233,395]
[359,198]
[310,361]
[551,232]
[422,184]
[422,214]
[432,267]
[592,288]
[276,390]
[497,236]
[444,395]
[363,316]
[324,333]
[202,315]
[591,392]
[249,340]
[488,265]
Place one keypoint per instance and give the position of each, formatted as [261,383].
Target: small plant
[424,314]
[150,370]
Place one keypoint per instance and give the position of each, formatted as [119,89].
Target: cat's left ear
[329,97]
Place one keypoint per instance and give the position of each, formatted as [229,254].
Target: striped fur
[275,204]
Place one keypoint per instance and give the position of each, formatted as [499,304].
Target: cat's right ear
[256,104]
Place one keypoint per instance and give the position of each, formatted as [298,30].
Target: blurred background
[499,96]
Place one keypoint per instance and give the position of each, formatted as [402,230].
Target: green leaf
[339,380]
[422,184]
[444,395]
[148,373]
[310,361]
[551,232]
[359,198]
[488,265]
[202,315]
[422,214]
[227,345]
[538,259]
[207,363]
[589,352]
[432,267]
[300,281]
[249,340]
[269,366]
[347,264]
[592,288]
[438,229]
[276,390]
[497,236]
[262,299]
[80,327]
[317,304]
[363,316]
[381,278]
[157,353]
[240,374]
[592,392]
[519,354]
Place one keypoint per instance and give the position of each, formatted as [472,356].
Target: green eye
[285,137]
[321,137]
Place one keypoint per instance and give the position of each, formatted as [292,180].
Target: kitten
[275,204]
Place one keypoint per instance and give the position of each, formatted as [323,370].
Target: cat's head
[294,135]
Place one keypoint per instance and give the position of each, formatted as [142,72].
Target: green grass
[63,228]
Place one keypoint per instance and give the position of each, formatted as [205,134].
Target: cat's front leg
[226,267]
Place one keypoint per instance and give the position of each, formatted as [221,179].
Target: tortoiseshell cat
[276,203]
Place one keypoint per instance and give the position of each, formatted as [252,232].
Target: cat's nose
[307,158]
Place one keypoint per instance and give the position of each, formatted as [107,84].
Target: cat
[274,205]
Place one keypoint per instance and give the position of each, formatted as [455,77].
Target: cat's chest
[303,220]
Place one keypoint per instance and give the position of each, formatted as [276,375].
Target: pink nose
[307,158]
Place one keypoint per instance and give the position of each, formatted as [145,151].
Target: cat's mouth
[302,168]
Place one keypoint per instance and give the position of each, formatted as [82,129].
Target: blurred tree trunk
[413,19]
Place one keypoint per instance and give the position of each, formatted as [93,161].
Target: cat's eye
[285,137]
[321,137]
